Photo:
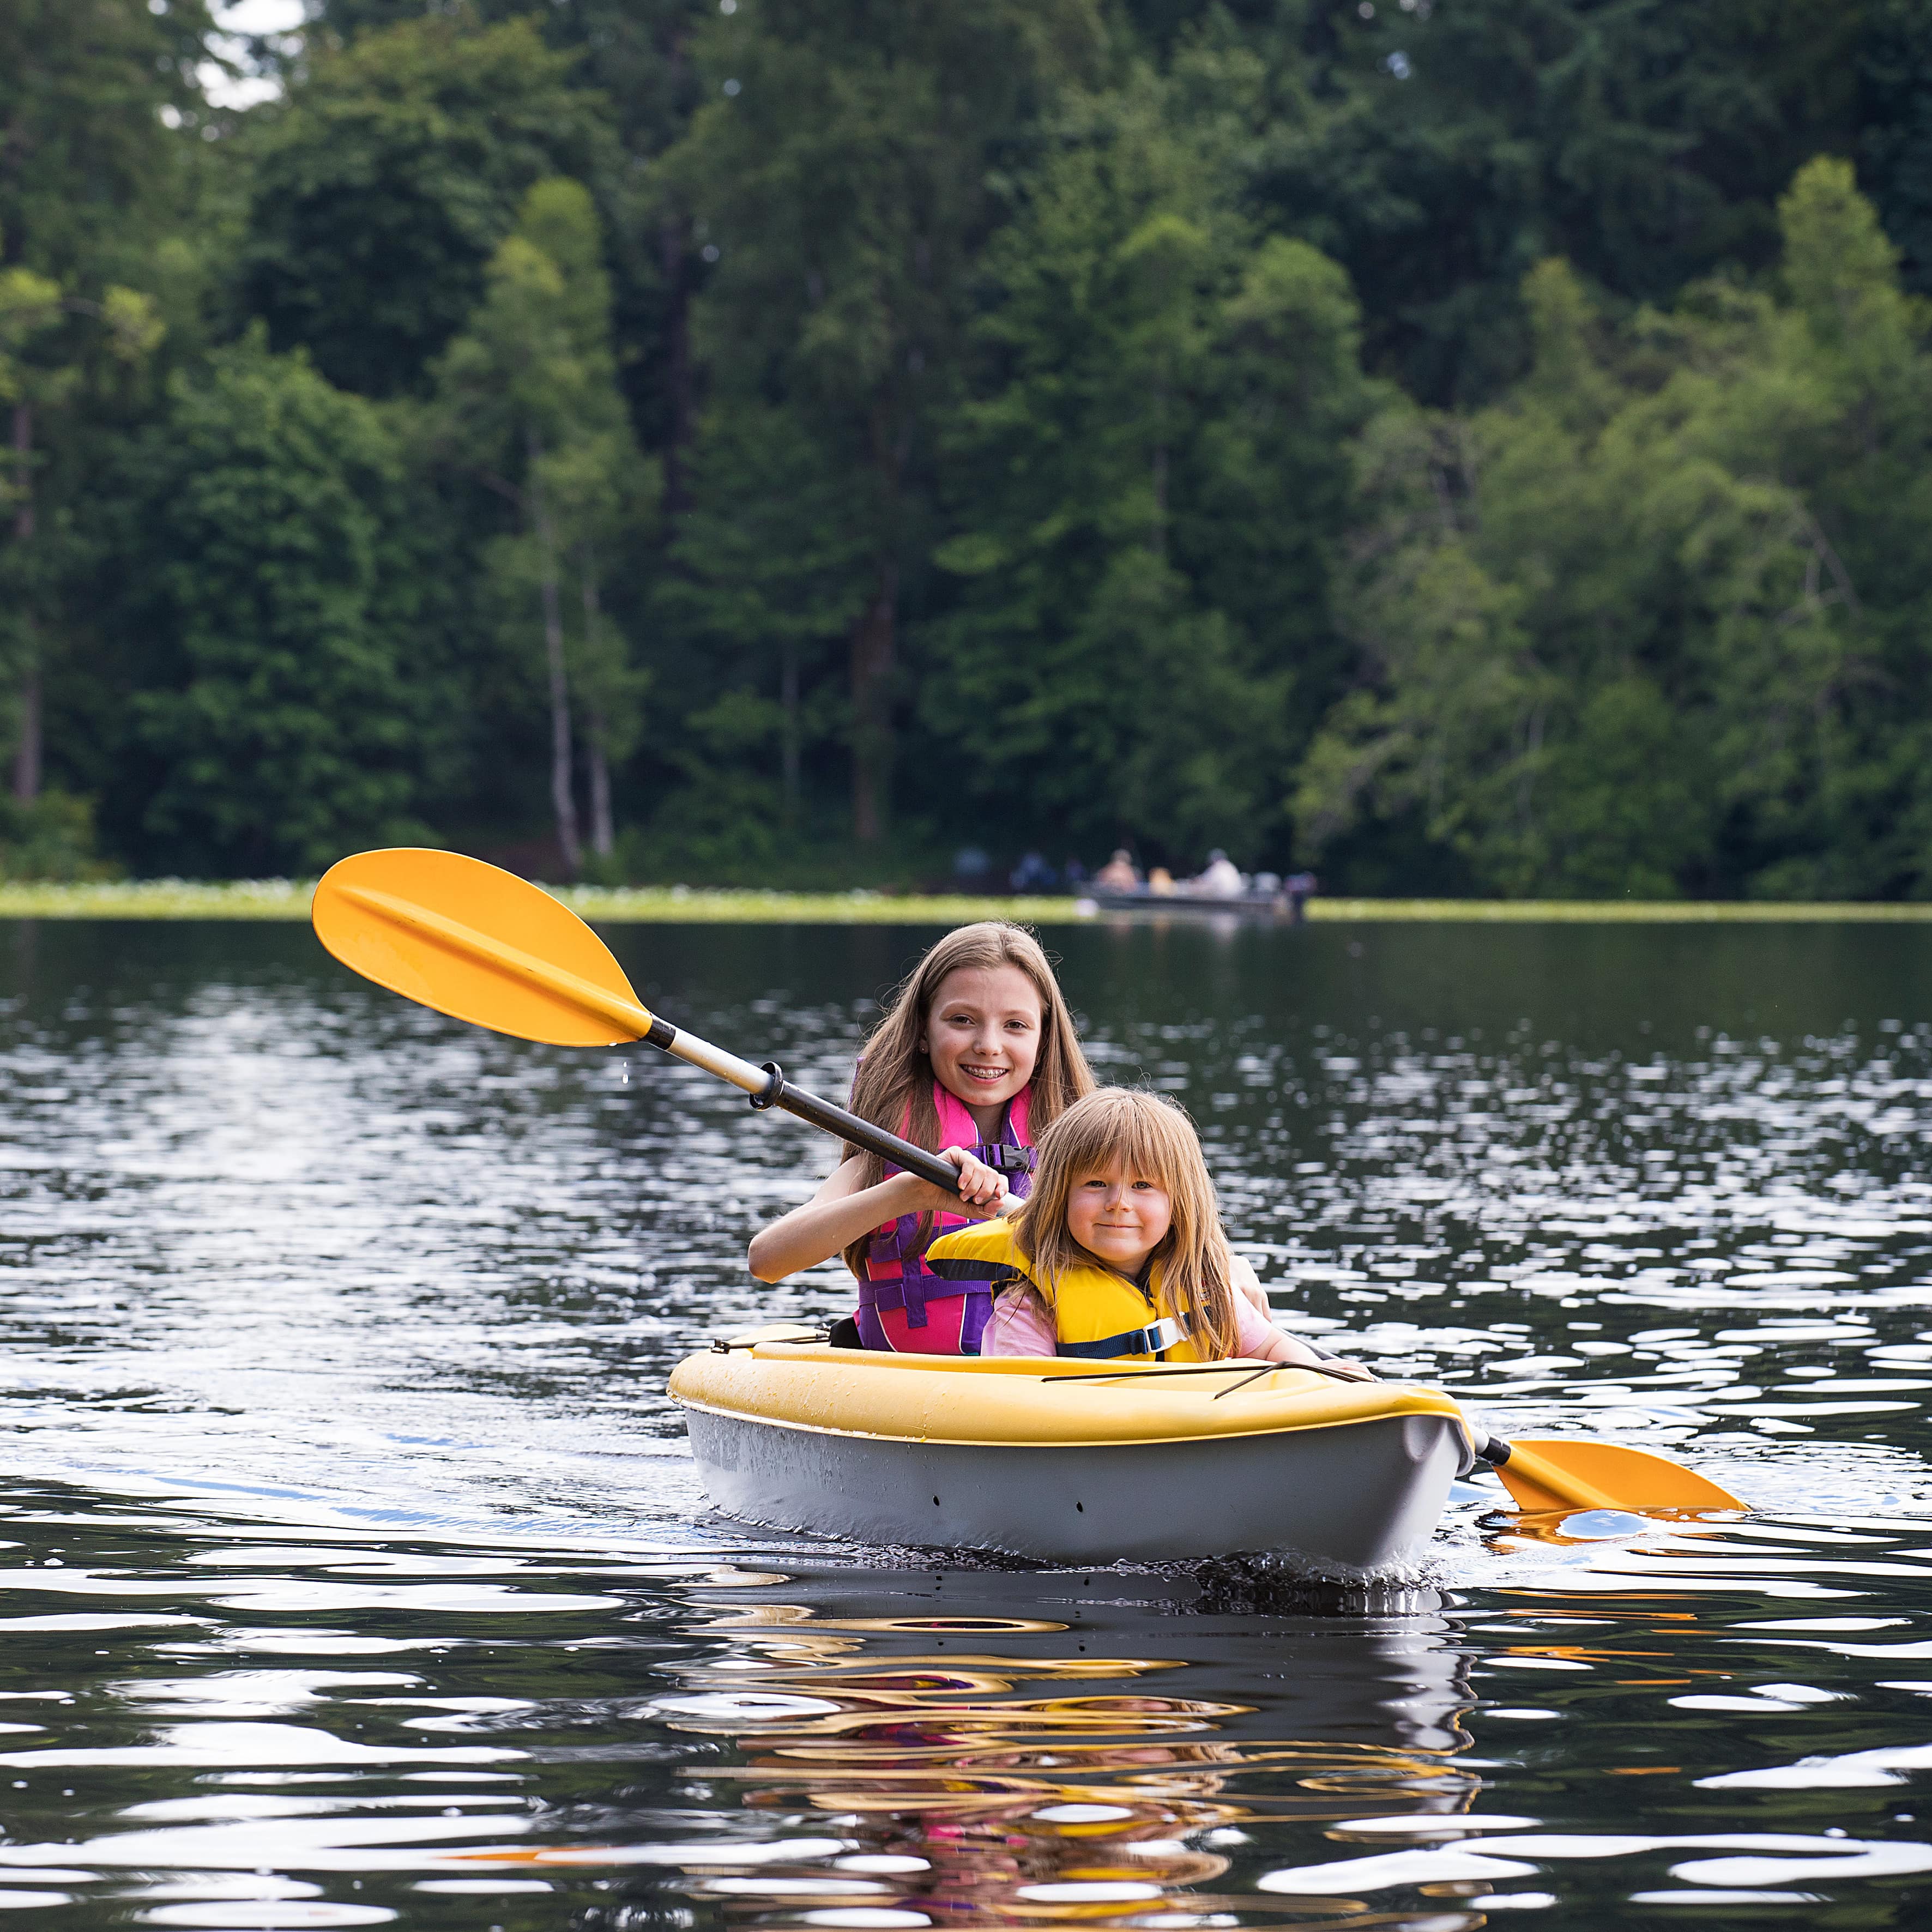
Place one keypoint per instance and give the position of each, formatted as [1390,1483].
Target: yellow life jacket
[1097,1313]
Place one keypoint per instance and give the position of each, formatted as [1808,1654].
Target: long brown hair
[1150,1139]
[894,1087]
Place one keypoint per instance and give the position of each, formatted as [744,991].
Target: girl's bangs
[1145,1135]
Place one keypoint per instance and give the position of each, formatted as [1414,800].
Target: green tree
[1439,150]
[527,403]
[33,308]
[1148,492]
[288,720]
[381,186]
[768,577]
[96,102]
[1653,621]
[841,173]
[92,97]
[635,54]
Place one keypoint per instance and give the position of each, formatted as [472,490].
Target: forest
[1468,447]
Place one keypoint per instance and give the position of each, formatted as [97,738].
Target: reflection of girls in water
[973,1805]
[986,1815]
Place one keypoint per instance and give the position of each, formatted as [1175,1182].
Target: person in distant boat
[1300,888]
[1118,874]
[975,1054]
[1222,880]
[1033,875]
[1118,1253]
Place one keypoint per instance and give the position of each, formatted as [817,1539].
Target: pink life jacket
[903,1305]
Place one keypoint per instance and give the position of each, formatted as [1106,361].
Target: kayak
[1048,1459]
[1059,1460]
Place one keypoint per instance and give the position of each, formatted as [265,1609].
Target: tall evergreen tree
[635,54]
[841,174]
[288,707]
[383,184]
[1440,148]
[1148,493]
[96,103]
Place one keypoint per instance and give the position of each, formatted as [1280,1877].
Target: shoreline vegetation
[289,899]
[1474,452]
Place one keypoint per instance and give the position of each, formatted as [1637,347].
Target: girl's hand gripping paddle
[481,944]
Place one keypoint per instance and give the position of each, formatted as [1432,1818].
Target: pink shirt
[1021,1325]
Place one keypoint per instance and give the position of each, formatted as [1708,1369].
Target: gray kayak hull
[1360,1495]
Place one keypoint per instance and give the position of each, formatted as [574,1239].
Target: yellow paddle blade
[1605,1475]
[477,943]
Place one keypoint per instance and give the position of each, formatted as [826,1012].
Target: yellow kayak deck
[1011,1401]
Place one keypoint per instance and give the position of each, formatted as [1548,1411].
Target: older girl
[1118,1253]
[977,1054]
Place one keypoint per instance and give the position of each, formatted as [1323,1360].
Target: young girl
[1118,1253]
[976,1055]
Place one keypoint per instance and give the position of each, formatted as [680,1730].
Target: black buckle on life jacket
[1006,1159]
[962,1269]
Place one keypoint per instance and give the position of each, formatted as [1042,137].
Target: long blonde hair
[1151,1139]
[894,1087]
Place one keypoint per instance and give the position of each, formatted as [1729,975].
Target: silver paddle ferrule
[713,1060]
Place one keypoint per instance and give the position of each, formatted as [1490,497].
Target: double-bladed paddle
[480,944]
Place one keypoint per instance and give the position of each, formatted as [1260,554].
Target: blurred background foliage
[1465,445]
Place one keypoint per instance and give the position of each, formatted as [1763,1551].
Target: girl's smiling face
[1119,1218]
[982,1034]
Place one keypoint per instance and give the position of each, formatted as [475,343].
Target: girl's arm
[842,1211]
[1247,1283]
[1257,1337]
[1277,1346]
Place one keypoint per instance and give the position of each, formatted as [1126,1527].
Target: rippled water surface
[355,1572]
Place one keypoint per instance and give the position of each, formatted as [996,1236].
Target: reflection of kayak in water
[1057,1459]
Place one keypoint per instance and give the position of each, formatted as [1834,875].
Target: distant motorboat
[1255,903]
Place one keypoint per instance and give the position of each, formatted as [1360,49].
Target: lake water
[354,1573]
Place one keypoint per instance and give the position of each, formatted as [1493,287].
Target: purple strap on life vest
[903,1305]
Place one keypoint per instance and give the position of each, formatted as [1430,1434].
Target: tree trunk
[603,830]
[789,747]
[562,792]
[1157,537]
[874,638]
[677,365]
[27,754]
[673,257]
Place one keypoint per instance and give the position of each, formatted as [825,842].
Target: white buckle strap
[1167,1333]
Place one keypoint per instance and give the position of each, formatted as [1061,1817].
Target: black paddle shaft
[795,1100]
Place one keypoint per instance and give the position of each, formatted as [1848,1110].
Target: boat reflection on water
[993,1750]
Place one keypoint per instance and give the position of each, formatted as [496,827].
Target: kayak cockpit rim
[1017,1401]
